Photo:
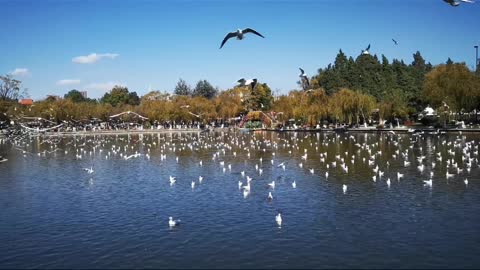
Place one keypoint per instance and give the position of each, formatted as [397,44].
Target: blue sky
[147,43]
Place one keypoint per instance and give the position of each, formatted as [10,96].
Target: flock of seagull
[379,158]
[239,34]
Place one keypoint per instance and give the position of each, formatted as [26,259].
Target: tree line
[348,90]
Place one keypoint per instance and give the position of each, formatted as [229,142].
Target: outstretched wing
[301,70]
[250,30]
[229,35]
[307,81]
[241,81]
[368,48]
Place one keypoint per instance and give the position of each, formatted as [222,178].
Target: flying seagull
[366,50]
[455,3]
[239,34]
[251,82]
[304,77]
[394,41]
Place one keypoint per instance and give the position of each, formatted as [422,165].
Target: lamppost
[476,57]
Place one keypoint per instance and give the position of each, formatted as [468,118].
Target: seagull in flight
[185,106]
[251,82]
[455,3]
[304,77]
[366,50]
[196,115]
[239,35]
[394,41]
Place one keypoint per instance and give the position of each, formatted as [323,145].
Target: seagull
[193,184]
[251,82]
[270,197]
[394,41]
[89,170]
[304,77]
[344,188]
[172,180]
[173,223]
[272,184]
[239,35]
[366,50]
[427,183]
[278,219]
[196,115]
[185,106]
[455,3]
[200,179]
[294,184]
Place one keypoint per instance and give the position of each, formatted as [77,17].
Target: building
[84,94]
[26,101]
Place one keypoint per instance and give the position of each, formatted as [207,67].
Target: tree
[453,84]
[133,99]
[75,96]
[9,88]
[118,96]
[182,88]
[204,89]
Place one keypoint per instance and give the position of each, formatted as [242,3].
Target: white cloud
[107,86]
[93,57]
[19,72]
[68,82]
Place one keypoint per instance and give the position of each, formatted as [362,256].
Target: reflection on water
[55,214]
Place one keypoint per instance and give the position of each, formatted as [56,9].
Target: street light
[476,57]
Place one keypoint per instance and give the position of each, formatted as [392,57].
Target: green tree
[453,84]
[75,96]
[182,88]
[117,96]
[204,89]
[133,99]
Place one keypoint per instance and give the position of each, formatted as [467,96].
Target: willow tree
[453,84]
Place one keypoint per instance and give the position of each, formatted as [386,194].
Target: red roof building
[26,101]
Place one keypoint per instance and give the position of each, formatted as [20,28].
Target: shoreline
[322,130]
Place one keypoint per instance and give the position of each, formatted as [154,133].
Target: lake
[54,214]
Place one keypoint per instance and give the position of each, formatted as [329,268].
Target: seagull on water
[239,35]
[294,184]
[344,188]
[173,223]
[272,184]
[89,170]
[270,197]
[278,219]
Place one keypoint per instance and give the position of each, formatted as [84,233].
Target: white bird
[465,181]
[294,184]
[239,35]
[278,219]
[427,182]
[304,77]
[172,180]
[455,3]
[270,197]
[312,171]
[366,50]
[272,184]
[89,170]
[344,188]
[193,184]
[388,182]
[249,82]
[399,175]
[200,179]
[173,223]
